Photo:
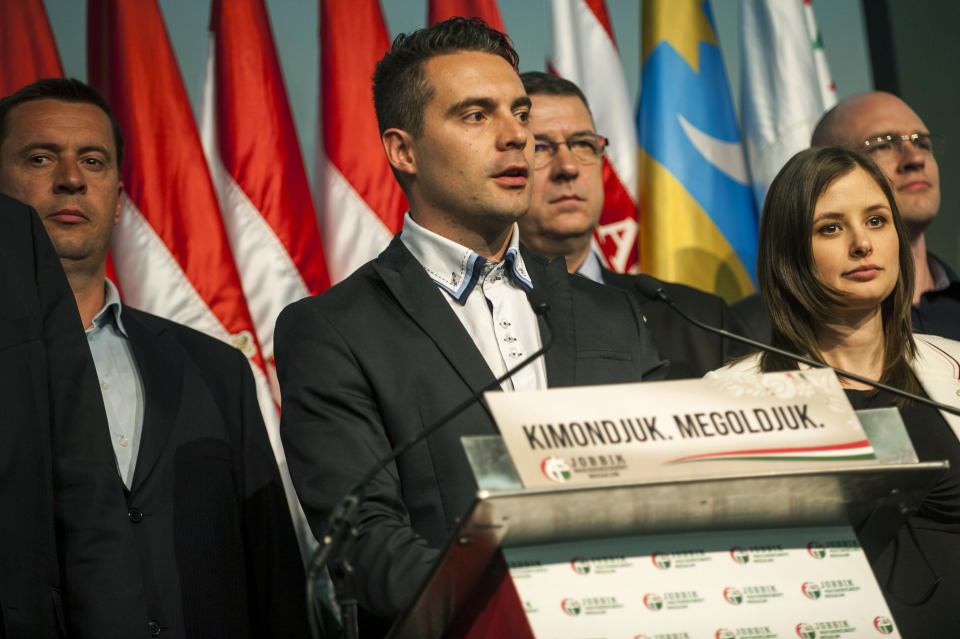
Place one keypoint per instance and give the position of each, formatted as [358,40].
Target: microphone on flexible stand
[653,288]
[336,545]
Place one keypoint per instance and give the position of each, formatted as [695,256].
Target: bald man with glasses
[888,130]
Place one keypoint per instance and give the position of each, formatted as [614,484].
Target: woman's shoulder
[749,364]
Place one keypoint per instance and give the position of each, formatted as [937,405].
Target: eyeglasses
[890,143]
[586,149]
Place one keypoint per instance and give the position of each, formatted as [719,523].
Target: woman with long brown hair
[836,275]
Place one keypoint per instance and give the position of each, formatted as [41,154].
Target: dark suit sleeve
[43,354]
[274,567]
[332,434]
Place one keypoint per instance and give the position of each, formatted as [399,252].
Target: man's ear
[398,145]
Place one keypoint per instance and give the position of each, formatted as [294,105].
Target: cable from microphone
[653,288]
[338,540]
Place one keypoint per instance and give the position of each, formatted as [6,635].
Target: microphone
[341,533]
[653,288]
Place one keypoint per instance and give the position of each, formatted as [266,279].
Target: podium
[471,593]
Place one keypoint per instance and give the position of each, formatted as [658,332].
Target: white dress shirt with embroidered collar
[489,298]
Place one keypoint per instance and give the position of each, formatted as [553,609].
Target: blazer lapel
[552,284]
[420,298]
[939,374]
[161,369]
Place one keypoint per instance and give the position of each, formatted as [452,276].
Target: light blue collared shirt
[489,299]
[591,268]
[120,382]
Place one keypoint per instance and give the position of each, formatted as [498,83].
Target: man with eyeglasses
[564,211]
[886,128]
[445,309]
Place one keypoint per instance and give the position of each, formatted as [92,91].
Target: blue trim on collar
[474,267]
[513,269]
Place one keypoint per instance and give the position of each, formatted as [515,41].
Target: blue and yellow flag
[698,221]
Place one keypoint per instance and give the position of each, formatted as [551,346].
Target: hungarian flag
[583,50]
[361,205]
[258,174]
[28,51]
[257,169]
[440,10]
[170,246]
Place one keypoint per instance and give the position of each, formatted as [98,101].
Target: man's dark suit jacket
[692,351]
[47,383]
[202,545]
[379,357]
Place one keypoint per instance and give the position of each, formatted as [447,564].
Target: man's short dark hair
[400,88]
[540,83]
[65,90]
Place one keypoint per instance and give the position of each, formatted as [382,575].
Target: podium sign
[711,427]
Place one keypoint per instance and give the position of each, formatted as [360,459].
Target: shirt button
[104,385]
[504,324]
[124,441]
[515,354]
[154,628]
[135,515]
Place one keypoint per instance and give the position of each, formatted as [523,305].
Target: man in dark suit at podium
[172,517]
[446,308]
[565,210]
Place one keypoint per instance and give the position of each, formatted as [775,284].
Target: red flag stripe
[439,10]
[28,51]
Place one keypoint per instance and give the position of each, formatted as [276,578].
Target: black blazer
[47,384]
[202,545]
[692,351]
[375,359]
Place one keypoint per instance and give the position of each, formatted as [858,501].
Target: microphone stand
[336,546]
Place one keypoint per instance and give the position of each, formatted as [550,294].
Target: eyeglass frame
[555,147]
[898,141]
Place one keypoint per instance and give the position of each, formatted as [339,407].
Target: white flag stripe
[582,52]
[269,278]
[784,87]
[353,233]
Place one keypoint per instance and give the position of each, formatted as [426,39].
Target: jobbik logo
[883,625]
[740,555]
[811,590]
[816,550]
[571,607]
[653,601]
[806,631]
[580,566]
[661,560]
[555,469]
[723,633]
[733,596]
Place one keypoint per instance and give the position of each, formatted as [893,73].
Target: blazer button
[154,628]
[135,516]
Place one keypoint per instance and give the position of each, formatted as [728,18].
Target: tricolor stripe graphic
[837,452]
